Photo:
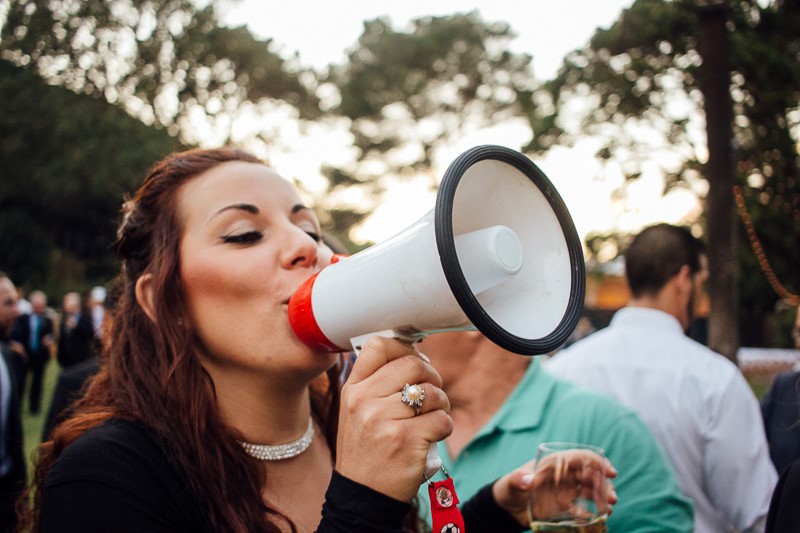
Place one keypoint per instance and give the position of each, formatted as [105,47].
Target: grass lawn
[759,387]
[32,425]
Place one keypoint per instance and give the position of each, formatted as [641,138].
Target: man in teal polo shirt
[503,405]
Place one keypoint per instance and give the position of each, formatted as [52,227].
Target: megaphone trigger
[358,342]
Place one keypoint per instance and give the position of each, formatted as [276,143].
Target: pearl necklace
[266,452]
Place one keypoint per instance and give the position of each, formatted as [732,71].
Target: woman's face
[248,243]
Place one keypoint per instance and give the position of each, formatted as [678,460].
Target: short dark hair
[657,254]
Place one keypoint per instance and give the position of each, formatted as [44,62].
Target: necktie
[35,333]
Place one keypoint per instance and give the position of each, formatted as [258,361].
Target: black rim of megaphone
[455,276]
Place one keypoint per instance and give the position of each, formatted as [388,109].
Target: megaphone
[499,253]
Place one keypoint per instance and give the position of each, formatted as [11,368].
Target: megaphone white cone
[499,253]
[399,285]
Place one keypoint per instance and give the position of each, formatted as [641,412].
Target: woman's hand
[382,442]
[527,492]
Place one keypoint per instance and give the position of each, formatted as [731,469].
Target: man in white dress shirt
[696,402]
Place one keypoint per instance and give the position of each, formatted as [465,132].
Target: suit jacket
[76,344]
[780,408]
[14,424]
[22,333]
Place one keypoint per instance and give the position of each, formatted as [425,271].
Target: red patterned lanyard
[445,514]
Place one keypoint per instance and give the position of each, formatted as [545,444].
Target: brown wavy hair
[149,371]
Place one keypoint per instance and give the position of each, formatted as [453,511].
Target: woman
[208,414]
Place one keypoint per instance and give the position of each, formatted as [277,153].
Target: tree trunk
[723,330]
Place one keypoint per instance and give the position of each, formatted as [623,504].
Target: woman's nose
[301,249]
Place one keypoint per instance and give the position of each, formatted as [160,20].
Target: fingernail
[527,479]
[424,357]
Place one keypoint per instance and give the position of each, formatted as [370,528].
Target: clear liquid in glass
[571,525]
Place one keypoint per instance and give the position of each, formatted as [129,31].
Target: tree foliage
[168,62]
[409,92]
[644,71]
[66,162]
[453,69]
[405,94]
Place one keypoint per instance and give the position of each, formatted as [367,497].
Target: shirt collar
[646,317]
[525,406]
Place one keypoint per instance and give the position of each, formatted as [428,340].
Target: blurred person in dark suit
[23,305]
[35,331]
[76,337]
[12,460]
[72,381]
[780,408]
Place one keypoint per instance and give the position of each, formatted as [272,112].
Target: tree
[712,44]
[409,93]
[167,62]
[644,74]
[66,162]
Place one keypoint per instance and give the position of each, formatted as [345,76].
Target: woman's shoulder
[121,472]
[115,451]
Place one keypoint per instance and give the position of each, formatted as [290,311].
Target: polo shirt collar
[525,406]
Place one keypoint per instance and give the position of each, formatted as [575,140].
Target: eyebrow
[299,207]
[250,208]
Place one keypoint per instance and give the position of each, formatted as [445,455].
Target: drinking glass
[571,493]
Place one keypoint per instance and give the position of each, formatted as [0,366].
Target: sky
[321,33]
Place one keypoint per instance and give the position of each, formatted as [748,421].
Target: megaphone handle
[432,461]
[358,342]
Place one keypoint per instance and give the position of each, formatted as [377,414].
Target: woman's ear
[144,295]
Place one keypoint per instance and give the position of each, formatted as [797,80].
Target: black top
[70,386]
[784,513]
[118,477]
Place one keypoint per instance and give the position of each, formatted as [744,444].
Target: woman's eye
[248,237]
[314,235]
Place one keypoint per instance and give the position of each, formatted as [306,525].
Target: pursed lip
[286,300]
